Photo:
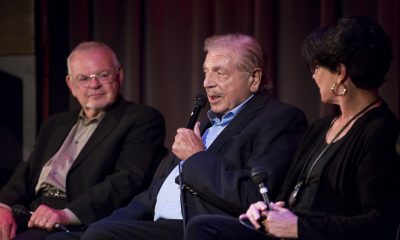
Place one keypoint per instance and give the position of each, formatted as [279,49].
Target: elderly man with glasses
[87,162]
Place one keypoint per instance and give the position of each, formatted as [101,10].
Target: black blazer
[265,134]
[117,162]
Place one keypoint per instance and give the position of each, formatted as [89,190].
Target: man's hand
[187,142]
[46,217]
[8,227]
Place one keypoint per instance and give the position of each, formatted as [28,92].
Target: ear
[341,73]
[255,80]
[70,84]
[120,75]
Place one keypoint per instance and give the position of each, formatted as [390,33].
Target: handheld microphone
[259,177]
[19,210]
[198,103]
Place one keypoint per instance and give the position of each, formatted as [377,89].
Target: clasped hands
[187,142]
[278,222]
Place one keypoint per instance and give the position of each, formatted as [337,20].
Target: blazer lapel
[109,122]
[55,141]
[59,134]
[248,113]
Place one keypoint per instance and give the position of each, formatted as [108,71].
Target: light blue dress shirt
[219,124]
[168,204]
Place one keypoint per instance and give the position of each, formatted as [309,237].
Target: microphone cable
[198,103]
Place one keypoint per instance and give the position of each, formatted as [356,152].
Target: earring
[335,88]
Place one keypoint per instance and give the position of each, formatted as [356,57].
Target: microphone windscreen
[19,210]
[198,103]
[200,100]
[258,175]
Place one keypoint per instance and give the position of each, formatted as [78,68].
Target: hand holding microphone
[37,218]
[188,142]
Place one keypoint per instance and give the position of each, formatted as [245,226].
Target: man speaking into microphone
[247,128]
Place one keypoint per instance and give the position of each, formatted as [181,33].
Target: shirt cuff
[5,206]
[72,218]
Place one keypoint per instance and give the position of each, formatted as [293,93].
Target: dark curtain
[160,44]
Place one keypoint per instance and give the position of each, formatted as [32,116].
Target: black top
[311,175]
[356,194]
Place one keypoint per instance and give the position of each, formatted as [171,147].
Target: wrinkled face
[225,84]
[93,79]
[324,79]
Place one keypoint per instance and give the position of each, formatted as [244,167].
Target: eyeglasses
[104,77]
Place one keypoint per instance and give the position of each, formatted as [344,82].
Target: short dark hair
[357,42]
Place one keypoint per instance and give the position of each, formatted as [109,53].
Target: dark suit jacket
[117,162]
[265,134]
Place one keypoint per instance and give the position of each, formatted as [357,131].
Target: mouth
[95,95]
[213,98]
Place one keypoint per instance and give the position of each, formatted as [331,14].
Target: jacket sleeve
[20,188]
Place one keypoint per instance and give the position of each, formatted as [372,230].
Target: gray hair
[250,52]
[92,45]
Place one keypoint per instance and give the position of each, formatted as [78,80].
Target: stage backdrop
[160,43]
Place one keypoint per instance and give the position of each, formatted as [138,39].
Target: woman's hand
[280,222]
[255,214]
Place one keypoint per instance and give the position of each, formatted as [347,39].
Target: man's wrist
[70,217]
[2,205]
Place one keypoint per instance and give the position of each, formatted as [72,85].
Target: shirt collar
[226,118]
[86,121]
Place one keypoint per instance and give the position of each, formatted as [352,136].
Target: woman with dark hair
[343,180]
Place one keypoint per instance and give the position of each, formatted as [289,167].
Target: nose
[208,81]
[94,79]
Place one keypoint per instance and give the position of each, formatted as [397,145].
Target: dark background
[159,43]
